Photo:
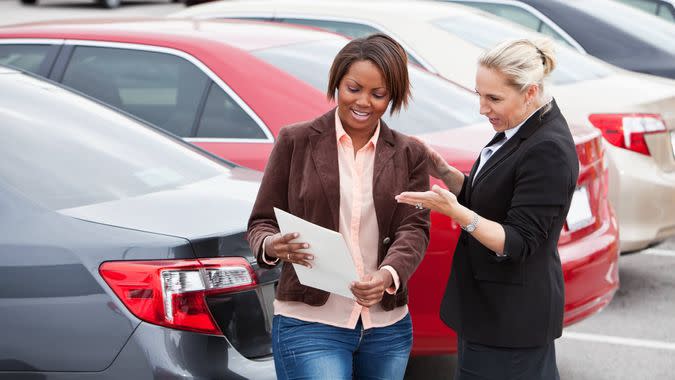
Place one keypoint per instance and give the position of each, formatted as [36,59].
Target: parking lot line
[643,343]
[659,252]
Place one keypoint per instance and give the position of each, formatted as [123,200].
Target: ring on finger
[418,206]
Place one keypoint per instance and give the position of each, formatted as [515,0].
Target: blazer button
[386,240]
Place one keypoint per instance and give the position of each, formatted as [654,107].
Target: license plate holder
[580,214]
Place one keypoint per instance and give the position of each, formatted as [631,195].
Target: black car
[122,248]
[611,31]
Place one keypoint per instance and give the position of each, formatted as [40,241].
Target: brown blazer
[302,178]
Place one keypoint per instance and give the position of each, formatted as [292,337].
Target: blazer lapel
[469,186]
[529,127]
[383,177]
[500,155]
[324,154]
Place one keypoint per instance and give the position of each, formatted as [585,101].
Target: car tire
[110,4]
[28,2]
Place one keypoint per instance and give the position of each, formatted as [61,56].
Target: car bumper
[590,268]
[155,352]
[643,196]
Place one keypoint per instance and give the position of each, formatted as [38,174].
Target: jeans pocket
[292,329]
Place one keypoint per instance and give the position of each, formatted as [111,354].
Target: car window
[436,105]
[519,16]
[348,29]
[645,5]
[651,30]
[666,12]
[484,33]
[224,118]
[160,88]
[27,57]
[544,28]
[509,12]
[82,153]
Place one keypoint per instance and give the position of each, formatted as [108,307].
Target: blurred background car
[229,87]
[664,9]
[609,30]
[633,111]
[122,248]
[103,3]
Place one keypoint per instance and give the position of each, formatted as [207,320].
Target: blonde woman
[505,294]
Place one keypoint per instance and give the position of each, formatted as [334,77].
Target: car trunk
[211,214]
[626,93]
[584,216]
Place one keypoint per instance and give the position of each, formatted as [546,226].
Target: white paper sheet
[332,268]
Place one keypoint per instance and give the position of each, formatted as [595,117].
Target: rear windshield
[640,25]
[75,152]
[436,105]
[486,33]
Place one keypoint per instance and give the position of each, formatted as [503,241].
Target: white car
[633,111]
[664,9]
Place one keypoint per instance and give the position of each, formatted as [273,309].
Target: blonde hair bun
[524,62]
[546,49]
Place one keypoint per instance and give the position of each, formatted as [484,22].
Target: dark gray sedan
[611,31]
[122,249]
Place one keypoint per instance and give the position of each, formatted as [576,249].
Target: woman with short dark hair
[342,171]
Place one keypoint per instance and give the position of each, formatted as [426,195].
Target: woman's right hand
[280,246]
[438,167]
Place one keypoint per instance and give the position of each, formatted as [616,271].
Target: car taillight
[172,293]
[628,130]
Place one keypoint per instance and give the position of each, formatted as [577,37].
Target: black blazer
[527,186]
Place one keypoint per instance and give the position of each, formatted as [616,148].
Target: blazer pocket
[486,268]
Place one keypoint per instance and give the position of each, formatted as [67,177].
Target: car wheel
[110,3]
[29,2]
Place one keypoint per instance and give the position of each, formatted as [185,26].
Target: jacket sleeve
[461,197]
[542,190]
[273,192]
[411,236]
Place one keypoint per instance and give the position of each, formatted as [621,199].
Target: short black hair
[385,53]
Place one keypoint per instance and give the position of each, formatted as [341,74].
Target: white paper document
[332,268]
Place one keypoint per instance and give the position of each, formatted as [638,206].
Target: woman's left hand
[370,289]
[437,199]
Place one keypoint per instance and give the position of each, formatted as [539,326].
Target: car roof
[245,35]
[375,10]
[403,20]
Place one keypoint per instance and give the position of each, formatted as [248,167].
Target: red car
[230,86]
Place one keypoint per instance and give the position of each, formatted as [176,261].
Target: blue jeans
[310,350]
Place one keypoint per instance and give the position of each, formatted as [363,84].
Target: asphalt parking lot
[633,338]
